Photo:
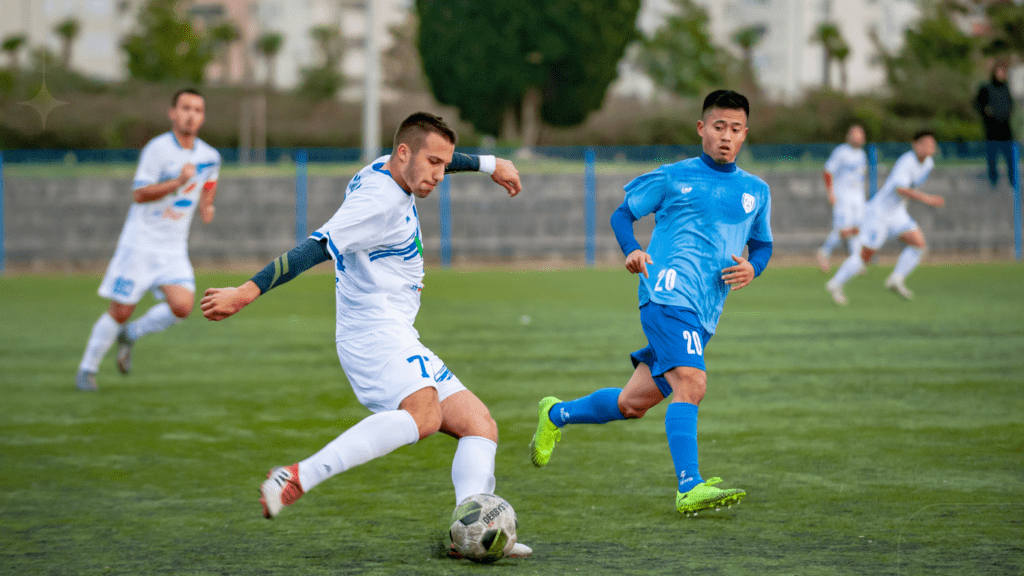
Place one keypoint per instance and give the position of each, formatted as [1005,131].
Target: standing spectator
[995,104]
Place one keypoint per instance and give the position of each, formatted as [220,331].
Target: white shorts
[847,214]
[879,228]
[387,366]
[132,272]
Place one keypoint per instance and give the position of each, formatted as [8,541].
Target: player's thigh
[179,298]
[689,384]
[464,414]
[675,335]
[913,238]
[385,367]
[873,231]
[640,394]
[130,274]
[901,225]
[176,281]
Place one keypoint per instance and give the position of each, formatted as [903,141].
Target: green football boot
[543,442]
[705,496]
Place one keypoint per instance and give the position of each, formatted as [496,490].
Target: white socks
[848,269]
[104,332]
[473,467]
[372,437]
[909,259]
[155,319]
[384,432]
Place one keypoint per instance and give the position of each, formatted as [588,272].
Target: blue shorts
[675,338]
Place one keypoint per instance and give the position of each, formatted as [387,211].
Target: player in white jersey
[374,241]
[177,175]
[844,182]
[885,217]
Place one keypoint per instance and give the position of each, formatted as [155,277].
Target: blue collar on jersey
[730,167]
[379,167]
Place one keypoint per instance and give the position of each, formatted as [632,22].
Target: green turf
[886,437]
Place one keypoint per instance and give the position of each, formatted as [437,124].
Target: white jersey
[374,240]
[908,172]
[162,226]
[848,166]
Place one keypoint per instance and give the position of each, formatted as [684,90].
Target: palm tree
[68,30]
[269,45]
[831,39]
[747,38]
[12,45]
[327,39]
[223,35]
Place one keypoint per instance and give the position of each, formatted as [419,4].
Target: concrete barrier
[74,223]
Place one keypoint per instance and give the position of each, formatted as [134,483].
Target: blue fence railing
[763,153]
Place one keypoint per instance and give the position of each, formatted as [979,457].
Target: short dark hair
[174,99]
[921,134]
[726,99]
[415,128]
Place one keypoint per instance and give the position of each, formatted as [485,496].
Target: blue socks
[681,429]
[597,408]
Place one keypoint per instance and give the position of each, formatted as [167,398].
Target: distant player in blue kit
[706,211]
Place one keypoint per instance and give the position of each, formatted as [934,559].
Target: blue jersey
[703,216]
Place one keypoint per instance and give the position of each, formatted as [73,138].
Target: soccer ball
[484,528]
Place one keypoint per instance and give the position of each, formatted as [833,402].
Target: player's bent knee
[632,413]
[427,424]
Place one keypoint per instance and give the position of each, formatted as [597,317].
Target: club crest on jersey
[748,203]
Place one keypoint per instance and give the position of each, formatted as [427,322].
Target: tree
[12,45]
[269,46]
[322,82]
[831,39]
[932,78]
[223,36]
[1007,28]
[164,45]
[68,30]
[520,62]
[680,56]
[747,38]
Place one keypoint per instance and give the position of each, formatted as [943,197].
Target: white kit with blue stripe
[162,226]
[374,241]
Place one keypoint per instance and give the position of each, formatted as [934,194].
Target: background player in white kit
[177,174]
[844,182]
[885,217]
[374,241]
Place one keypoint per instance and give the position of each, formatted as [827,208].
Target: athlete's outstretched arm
[220,303]
[922,197]
[502,171]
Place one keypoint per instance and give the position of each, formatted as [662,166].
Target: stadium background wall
[73,223]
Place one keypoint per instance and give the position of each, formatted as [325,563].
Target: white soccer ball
[484,528]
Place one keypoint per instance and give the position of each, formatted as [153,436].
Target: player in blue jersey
[706,211]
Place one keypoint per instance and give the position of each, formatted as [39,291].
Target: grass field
[882,438]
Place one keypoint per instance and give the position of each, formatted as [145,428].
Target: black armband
[291,264]
[463,163]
